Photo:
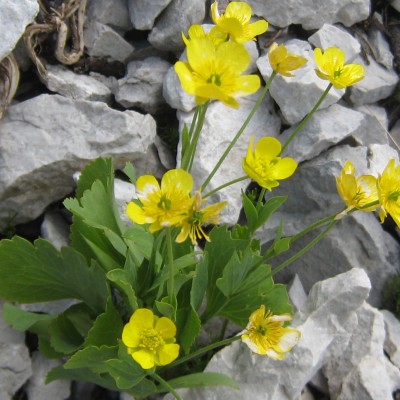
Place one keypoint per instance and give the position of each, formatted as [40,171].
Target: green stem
[166,385]
[260,198]
[171,272]
[242,178]
[304,249]
[203,350]
[240,131]
[306,118]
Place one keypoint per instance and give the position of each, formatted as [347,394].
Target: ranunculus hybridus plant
[144,289]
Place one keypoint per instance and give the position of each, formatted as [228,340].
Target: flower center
[215,79]
[264,167]
[164,203]
[394,196]
[150,339]
[337,73]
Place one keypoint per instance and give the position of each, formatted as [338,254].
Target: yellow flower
[196,218]
[389,192]
[283,62]
[235,22]
[149,339]
[214,72]
[356,192]
[331,67]
[264,165]
[161,206]
[197,31]
[265,334]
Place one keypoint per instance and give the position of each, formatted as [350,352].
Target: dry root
[9,78]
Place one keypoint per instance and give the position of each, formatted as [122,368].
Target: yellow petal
[214,12]
[168,353]
[256,28]
[166,328]
[185,76]
[146,184]
[144,358]
[137,215]
[198,51]
[131,335]
[285,168]
[239,10]
[235,55]
[143,318]
[268,148]
[177,179]
[247,84]
[183,234]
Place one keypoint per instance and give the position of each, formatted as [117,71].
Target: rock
[335,35]
[42,146]
[63,81]
[124,193]
[395,135]
[15,16]
[311,14]
[380,45]
[296,96]
[177,18]
[297,294]
[392,338]
[220,127]
[15,364]
[55,229]
[114,14]
[37,389]
[395,4]
[103,41]
[143,13]
[326,325]
[378,83]
[142,85]
[330,126]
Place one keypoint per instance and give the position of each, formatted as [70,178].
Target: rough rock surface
[143,13]
[52,146]
[14,18]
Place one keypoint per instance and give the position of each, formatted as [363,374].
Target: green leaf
[120,278]
[250,212]
[130,171]
[199,283]
[190,331]
[185,140]
[125,374]
[165,308]
[93,358]
[202,379]
[107,328]
[269,208]
[35,273]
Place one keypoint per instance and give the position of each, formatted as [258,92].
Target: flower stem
[240,131]
[166,385]
[203,350]
[304,249]
[301,125]
[242,178]
[260,198]
[171,274]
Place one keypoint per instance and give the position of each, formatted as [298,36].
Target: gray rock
[220,126]
[335,35]
[142,85]
[14,18]
[311,14]
[143,13]
[103,41]
[15,363]
[55,229]
[394,136]
[395,4]
[380,44]
[378,83]
[124,193]
[62,80]
[392,338]
[37,389]
[112,13]
[296,96]
[177,18]
[297,294]
[44,140]
[326,326]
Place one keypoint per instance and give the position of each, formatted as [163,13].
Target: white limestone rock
[44,140]
[326,326]
[220,127]
[15,363]
[378,83]
[380,44]
[296,96]
[336,36]
[55,229]
[142,85]
[63,81]
[143,13]
[36,387]
[15,16]
[103,41]
[177,18]
[311,14]
[392,338]
[395,4]
[112,13]
[330,126]
[297,294]
[124,193]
